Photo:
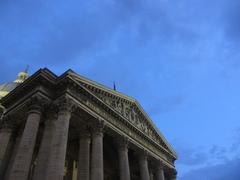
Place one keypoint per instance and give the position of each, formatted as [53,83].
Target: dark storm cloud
[229,170]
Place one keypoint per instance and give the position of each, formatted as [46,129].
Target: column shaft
[160,173]
[123,161]
[144,172]
[22,162]
[84,157]
[151,176]
[59,146]
[5,134]
[173,175]
[40,171]
[13,155]
[97,155]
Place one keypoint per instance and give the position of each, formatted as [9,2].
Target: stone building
[68,127]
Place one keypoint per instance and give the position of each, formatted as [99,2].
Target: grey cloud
[226,171]
[190,156]
[232,16]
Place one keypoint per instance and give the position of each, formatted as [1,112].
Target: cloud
[231,17]
[226,171]
[189,156]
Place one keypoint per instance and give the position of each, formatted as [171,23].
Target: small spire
[114,86]
[27,69]
[22,76]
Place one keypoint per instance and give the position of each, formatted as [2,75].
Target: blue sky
[179,58]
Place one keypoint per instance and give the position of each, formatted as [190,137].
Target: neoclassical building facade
[70,128]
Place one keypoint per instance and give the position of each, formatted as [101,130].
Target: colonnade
[50,161]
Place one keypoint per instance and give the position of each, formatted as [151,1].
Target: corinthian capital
[65,105]
[36,104]
[122,143]
[98,127]
[6,124]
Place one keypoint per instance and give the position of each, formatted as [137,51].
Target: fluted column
[59,143]
[97,172]
[143,163]
[123,159]
[40,171]
[22,162]
[84,155]
[5,135]
[160,172]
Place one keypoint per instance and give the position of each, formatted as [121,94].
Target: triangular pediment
[127,107]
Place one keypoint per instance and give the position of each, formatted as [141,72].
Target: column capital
[159,165]
[36,104]
[97,127]
[143,155]
[64,105]
[84,133]
[122,143]
[6,125]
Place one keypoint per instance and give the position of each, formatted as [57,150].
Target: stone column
[5,135]
[13,154]
[22,162]
[123,159]
[84,155]
[151,175]
[143,163]
[59,143]
[173,175]
[160,172]
[97,172]
[40,171]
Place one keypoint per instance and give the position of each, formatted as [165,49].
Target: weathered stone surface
[84,156]
[59,145]
[123,159]
[5,135]
[24,154]
[160,173]
[97,172]
[143,164]
[40,171]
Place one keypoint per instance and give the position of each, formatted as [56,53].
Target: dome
[8,87]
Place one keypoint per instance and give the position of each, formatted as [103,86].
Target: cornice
[98,101]
[93,86]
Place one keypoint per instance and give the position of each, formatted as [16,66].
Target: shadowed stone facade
[70,128]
